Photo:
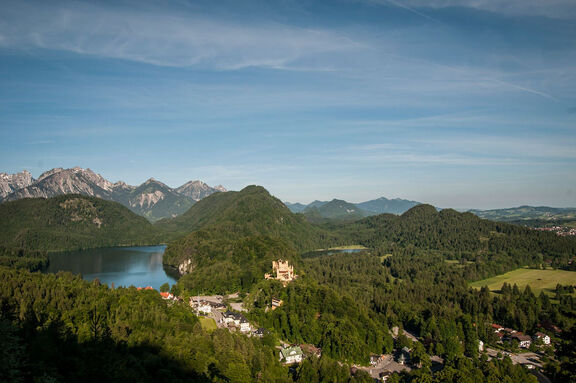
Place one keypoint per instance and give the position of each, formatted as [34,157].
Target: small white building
[291,355]
[167,296]
[204,308]
[524,341]
[543,337]
[245,326]
[236,319]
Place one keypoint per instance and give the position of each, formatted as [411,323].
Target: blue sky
[465,104]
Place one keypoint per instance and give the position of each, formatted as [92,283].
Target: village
[227,312]
[562,231]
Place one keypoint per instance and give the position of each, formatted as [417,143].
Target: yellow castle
[284,272]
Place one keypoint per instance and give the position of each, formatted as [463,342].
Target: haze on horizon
[463,104]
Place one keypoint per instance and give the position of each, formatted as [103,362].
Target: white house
[204,308]
[524,341]
[245,326]
[540,335]
[236,319]
[291,355]
[230,317]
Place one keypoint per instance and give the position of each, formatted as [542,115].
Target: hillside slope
[234,236]
[70,222]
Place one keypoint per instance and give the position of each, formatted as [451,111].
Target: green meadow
[208,324]
[537,279]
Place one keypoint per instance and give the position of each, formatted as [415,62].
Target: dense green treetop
[59,328]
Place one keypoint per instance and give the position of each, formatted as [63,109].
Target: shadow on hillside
[52,354]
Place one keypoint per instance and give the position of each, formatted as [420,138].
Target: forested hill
[425,227]
[70,222]
[251,211]
[458,235]
[237,235]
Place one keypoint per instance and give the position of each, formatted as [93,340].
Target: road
[517,358]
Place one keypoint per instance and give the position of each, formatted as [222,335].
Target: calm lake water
[318,253]
[123,266]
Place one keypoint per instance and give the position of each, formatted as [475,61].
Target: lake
[318,253]
[123,266]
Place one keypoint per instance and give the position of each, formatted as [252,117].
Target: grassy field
[208,324]
[537,279]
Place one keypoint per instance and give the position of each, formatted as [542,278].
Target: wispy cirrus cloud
[165,38]
[550,8]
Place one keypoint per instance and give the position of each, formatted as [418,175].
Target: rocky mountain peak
[121,185]
[12,182]
[48,173]
[197,190]
[152,199]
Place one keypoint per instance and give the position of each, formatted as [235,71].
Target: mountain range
[152,199]
[343,210]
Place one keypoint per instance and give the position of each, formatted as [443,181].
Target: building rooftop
[290,351]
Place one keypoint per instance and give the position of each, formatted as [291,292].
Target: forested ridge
[492,247]
[71,222]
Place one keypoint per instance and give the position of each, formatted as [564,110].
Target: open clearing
[537,279]
[208,324]
[456,263]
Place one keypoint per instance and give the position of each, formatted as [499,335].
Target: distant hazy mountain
[522,213]
[335,209]
[317,203]
[295,207]
[384,205]
[340,209]
[152,199]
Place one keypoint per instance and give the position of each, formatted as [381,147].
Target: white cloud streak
[165,39]
[551,8]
